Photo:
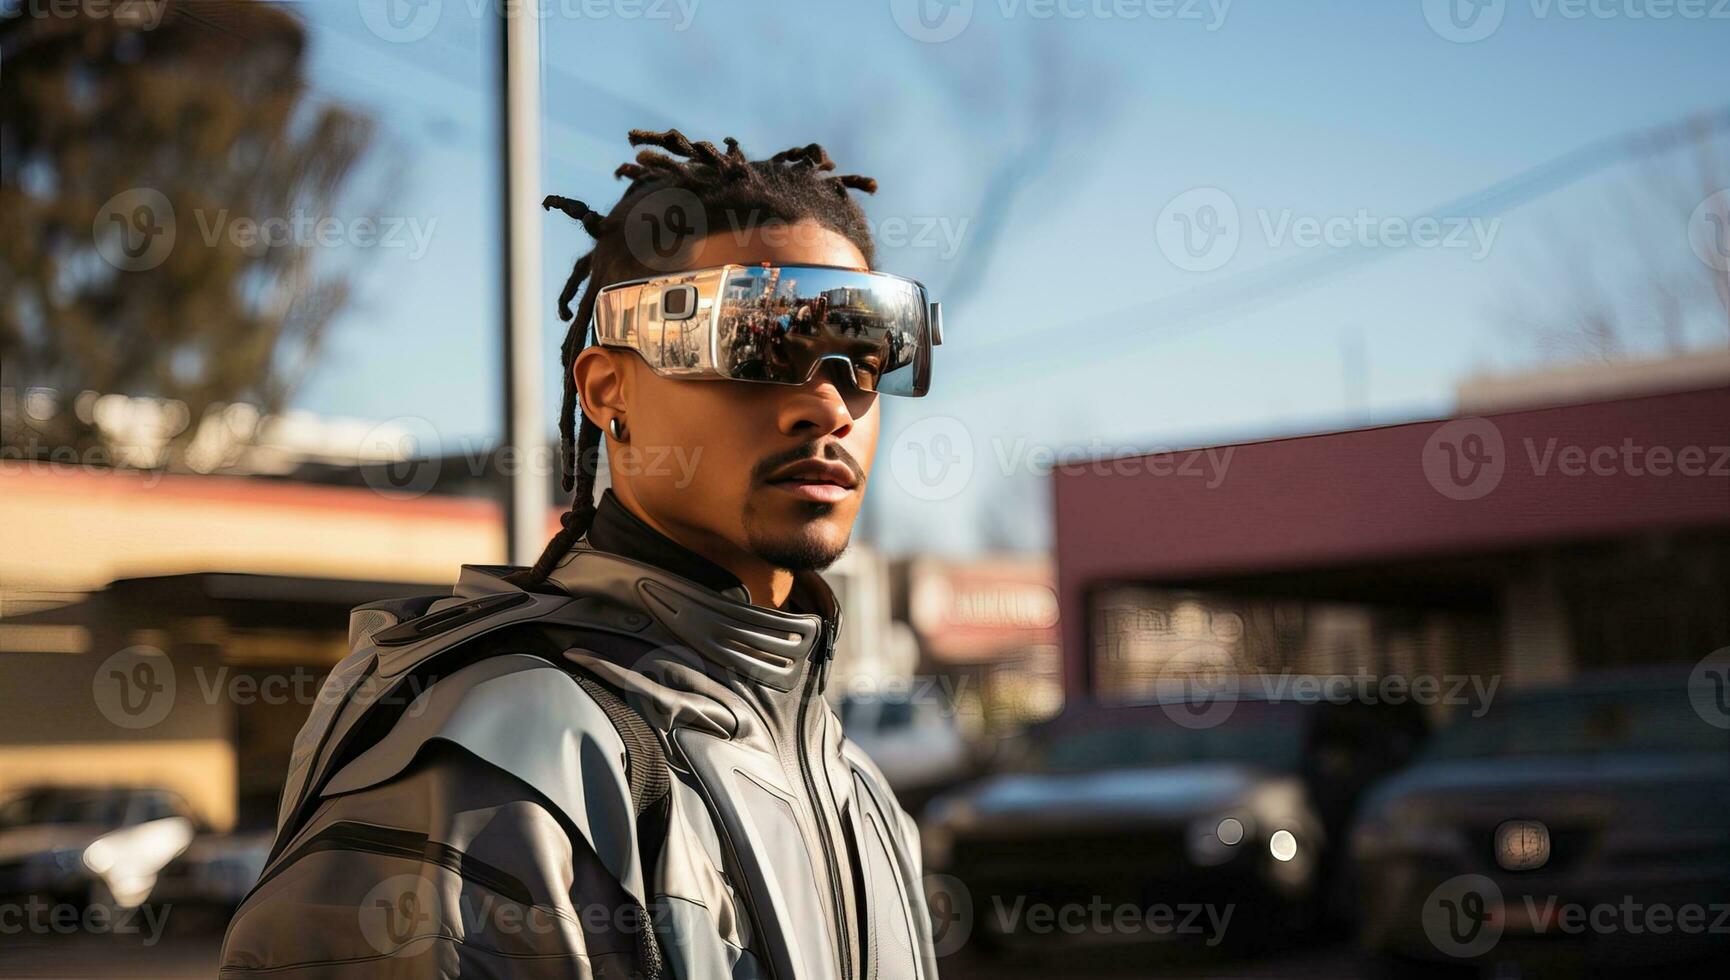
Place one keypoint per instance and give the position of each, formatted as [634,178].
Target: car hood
[1112,796]
[1627,786]
[18,843]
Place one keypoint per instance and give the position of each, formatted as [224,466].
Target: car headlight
[128,860]
[1218,838]
[1283,845]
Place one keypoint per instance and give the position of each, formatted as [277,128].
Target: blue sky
[1071,327]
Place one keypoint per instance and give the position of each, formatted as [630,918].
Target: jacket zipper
[838,905]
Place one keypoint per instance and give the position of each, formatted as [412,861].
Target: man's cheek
[865,455]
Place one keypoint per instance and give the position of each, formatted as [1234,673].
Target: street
[191,952]
[194,956]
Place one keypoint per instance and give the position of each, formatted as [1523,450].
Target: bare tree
[1627,280]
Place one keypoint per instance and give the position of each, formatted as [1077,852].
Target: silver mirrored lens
[778,324]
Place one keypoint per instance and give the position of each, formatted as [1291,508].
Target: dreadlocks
[734,194]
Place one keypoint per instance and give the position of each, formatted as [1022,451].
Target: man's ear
[602,384]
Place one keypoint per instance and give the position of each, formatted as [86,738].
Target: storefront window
[1150,642]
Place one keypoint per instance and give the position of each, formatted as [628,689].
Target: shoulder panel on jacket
[529,718]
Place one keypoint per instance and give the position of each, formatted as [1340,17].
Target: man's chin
[811,545]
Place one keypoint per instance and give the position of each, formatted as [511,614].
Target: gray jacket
[462,801]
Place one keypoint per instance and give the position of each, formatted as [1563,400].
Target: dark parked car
[1579,825]
[1236,812]
[95,844]
[214,872]
[913,740]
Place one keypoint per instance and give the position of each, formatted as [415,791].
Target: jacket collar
[616,528]
[694,599]
[771,647]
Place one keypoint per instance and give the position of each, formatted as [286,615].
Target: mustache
[815,449]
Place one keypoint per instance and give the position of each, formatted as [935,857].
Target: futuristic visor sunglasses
[776,324]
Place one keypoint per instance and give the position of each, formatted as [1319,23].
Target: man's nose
[820,406]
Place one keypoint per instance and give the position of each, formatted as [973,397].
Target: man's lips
[815,479]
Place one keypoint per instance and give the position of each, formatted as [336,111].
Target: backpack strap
[645,761]
[651,782]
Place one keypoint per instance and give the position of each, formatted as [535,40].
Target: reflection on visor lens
[778,324]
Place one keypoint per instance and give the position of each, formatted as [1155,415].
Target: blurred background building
[1585,534]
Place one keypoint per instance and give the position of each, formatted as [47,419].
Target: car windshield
[1582,723]
[1265,742]
[883,715]
[64,807]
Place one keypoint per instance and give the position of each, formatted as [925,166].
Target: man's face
[772,471]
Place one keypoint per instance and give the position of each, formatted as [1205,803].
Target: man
[619,762]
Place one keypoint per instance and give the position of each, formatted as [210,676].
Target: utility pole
[527,500]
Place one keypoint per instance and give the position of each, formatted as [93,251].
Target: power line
[1262,286]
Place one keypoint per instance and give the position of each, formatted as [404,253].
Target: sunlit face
[708,461]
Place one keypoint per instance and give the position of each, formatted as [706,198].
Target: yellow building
[172,630]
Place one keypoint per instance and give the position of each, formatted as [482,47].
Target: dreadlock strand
[591,220]
[574,523]
[579,272]
[576,339]
[857,182]
[651,160]
[819,157]
[670,140]
[706,153]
